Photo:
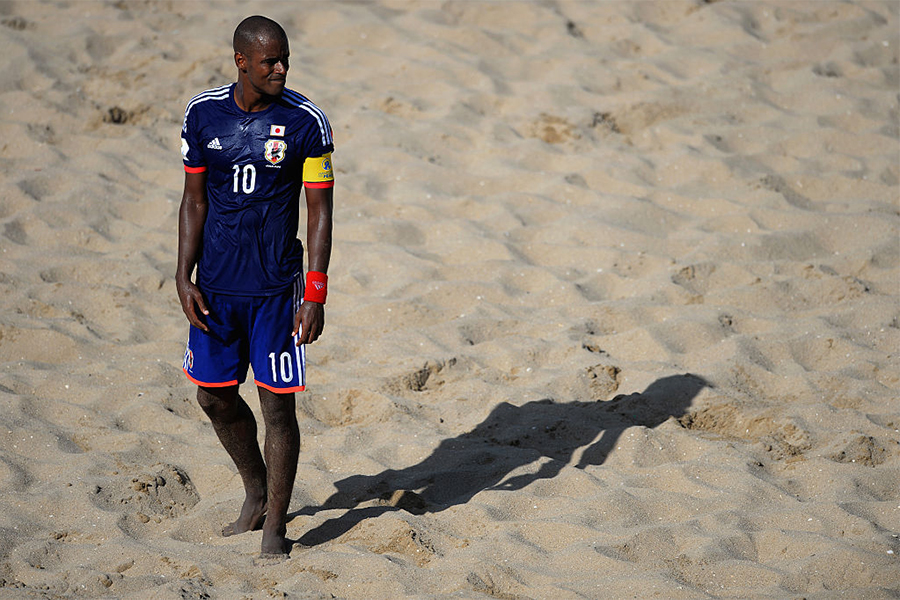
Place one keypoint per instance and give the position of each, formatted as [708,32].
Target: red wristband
[316,287]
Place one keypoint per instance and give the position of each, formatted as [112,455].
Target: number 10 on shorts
[283,364]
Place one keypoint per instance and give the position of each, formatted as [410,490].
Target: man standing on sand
[248,148]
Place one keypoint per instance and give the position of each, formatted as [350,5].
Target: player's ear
[240,61]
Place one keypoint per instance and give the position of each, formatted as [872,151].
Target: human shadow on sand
[510,437]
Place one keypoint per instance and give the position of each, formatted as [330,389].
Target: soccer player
[249,148]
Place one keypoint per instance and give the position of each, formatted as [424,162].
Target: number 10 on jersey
[247,181]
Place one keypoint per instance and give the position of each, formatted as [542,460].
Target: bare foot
[253,513]
[274,543]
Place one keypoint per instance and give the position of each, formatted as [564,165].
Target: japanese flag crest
[275,150]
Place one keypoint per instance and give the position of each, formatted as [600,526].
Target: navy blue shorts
[248,330]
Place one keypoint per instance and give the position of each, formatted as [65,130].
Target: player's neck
[250,100]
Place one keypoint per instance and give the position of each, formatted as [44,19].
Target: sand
[614,305]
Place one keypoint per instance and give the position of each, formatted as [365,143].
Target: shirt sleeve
[191,151]
[317,137]
[318,144]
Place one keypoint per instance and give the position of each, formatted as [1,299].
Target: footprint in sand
[162,491]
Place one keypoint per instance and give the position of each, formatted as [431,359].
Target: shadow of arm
[548,470]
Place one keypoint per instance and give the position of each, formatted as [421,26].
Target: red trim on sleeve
[319,184]
[188,169]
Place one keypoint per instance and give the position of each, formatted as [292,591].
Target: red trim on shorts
[296,388]
[319,184]
[188,169]
[204,384]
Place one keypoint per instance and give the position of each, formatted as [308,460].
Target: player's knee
[216,400]
[278,409]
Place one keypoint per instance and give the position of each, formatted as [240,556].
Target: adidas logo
[215,145]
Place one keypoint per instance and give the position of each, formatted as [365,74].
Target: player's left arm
[310,319]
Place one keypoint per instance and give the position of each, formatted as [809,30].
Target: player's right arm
[191,218]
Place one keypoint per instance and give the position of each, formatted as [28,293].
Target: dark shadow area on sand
[510,437]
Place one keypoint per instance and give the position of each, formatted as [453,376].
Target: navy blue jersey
[254,174]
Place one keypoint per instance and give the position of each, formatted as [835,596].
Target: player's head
[254,30]
[261,54]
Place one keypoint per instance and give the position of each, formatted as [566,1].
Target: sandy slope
[613,312]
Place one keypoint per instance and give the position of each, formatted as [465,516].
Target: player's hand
[309,321]
[191,299]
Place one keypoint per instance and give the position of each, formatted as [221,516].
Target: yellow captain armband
[318,172]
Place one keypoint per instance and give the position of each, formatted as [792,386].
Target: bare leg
[282,451]
[235,426]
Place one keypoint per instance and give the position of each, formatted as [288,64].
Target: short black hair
[255,29]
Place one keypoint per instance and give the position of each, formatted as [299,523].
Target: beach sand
[614,309]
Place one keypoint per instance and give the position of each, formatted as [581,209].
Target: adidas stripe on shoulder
[304,103]
[219,93]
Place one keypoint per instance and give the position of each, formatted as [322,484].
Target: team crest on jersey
[275,151]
